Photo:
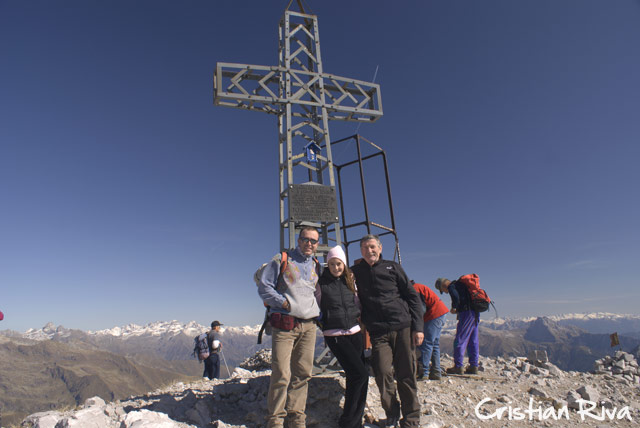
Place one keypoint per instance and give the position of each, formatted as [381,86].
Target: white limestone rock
[537,392]
[148,419]
[588,393]
[94,401]
[42,420]
[572,400]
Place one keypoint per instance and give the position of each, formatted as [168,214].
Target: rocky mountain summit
[508,392]
[54,367]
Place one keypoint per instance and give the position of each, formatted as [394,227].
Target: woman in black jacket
[340,309]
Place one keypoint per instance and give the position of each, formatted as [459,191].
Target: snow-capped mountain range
[596,322]
[158,328]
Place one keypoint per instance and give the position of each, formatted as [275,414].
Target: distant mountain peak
[49,327]
[542,330]
[593,316]
[546,329]
[173,327]
[156,328]
[47,332]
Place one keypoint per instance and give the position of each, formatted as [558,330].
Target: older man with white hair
[392,313]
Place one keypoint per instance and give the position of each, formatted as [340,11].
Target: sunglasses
[311,241]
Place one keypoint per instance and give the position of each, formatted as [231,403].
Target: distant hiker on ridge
[293,312]
[434,317]
[212,362]
[340,307]
[467,328]
[392,314]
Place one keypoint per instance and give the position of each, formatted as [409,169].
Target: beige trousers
[291,365]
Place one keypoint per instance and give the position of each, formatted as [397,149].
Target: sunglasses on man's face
[312,241]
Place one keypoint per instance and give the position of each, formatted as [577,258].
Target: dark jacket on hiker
[211,336]
[212,362]
[389,301]
[460,297]
[337,303]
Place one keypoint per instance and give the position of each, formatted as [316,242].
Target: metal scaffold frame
[372,227]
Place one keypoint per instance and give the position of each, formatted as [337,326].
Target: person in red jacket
[434,317]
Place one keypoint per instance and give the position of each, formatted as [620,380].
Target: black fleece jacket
[337,303]
[389,301]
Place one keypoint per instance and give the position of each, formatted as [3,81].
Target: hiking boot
[471,370]
[454,370]
[420,376]
[391,422]
[434,376]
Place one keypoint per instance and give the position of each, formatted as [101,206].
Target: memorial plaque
[312,202]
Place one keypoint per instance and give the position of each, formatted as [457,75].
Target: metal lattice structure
[371,223]
[304,98]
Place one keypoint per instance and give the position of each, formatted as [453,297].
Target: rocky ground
[516,392]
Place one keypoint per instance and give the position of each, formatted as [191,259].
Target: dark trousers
[394,353]
[349,352]
[212,366]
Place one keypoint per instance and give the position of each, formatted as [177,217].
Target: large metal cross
[304,98]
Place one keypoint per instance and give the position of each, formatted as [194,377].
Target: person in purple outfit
[467,328]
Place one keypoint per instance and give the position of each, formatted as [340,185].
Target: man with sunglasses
[293,308]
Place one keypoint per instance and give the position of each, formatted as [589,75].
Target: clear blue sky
[511,127]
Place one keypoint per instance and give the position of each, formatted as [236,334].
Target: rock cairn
[622,365]
[258,362]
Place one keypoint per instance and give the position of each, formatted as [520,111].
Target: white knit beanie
[338,253]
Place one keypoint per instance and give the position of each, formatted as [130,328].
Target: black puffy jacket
[337,303]
[389,301]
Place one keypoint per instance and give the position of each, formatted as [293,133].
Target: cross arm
[245,86]
[256,87]
[351,99]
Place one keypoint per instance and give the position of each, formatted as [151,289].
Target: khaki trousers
[291,365]
[391,353]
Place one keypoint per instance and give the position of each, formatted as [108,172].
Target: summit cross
[304,98]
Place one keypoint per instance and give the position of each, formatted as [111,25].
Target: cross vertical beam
[305,124]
